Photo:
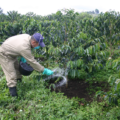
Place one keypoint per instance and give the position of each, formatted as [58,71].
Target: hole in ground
[81,89]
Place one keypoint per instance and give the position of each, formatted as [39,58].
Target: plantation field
[86,47]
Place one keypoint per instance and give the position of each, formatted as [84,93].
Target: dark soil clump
[80,89]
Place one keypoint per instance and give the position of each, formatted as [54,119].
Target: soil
[75,88]
[78,88]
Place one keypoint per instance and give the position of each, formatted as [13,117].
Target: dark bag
[25,69]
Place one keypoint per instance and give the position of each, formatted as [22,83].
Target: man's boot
[13,91]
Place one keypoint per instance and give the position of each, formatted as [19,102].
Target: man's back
[14,45]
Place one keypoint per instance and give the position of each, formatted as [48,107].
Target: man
[20,45]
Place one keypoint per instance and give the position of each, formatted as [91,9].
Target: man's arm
[30,60]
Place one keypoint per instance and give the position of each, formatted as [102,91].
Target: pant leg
[8,67]
[16,64]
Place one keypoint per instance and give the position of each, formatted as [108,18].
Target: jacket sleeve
[30,60]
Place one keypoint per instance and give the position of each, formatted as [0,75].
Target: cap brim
[42,44]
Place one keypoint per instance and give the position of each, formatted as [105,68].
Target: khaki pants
[10,68]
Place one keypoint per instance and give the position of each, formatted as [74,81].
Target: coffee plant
[78,44]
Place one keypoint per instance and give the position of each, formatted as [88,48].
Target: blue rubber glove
[23,60]
[47,71]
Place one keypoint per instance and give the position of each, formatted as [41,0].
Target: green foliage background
[77,40]
[82,43]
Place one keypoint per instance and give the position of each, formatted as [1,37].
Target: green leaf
[87,52]
[74,64]
[89,66]
[70,64]
[80,51]
[110,99]
[109,80]
[97,47]
[79,62]
[114,64]
[93,49]
[73,73]
[108,63]
[118,86]
[90,50]
[115,101]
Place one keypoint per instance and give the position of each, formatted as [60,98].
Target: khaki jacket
[19,45]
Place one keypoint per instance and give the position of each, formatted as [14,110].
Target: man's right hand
[47,71]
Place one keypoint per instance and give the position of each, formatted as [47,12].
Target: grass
[35,102]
